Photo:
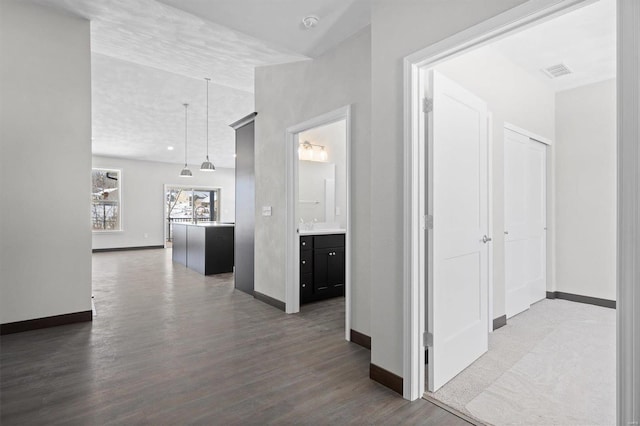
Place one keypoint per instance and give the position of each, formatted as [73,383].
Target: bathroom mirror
[316,191]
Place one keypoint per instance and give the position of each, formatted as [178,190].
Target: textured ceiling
[153,34]
[584,40]
[148,59]
[280,21]
[137,113]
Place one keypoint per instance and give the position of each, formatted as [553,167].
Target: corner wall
[586,190]
[45,162]
[287,95]
[143,194]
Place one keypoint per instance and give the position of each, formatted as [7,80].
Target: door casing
[628,262]
[292,273]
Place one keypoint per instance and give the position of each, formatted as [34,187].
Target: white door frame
[292,284]
[628,265]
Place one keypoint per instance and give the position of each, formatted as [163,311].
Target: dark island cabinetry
[322,267]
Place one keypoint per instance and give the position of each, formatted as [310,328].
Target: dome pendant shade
[207,166]
[185,172]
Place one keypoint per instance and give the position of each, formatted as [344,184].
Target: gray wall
[143,194]
[400,28]
[45,162]
[586,190]
[290,94]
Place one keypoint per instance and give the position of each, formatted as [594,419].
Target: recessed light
[170,148]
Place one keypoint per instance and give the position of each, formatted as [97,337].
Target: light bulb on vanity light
[323,154]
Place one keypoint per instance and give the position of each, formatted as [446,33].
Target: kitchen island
[205,247]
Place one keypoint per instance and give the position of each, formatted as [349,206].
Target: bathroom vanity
[322,264]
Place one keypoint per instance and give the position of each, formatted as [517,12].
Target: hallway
[170,346]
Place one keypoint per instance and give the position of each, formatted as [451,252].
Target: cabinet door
[328,271]
[336,269]
[321,271]
[306,261]
[306,288]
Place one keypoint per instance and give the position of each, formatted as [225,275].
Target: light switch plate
[266,210]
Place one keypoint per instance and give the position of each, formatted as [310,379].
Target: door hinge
[427,105]
[427,339]
[427,222]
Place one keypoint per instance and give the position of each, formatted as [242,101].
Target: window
[105,200]
[187,204]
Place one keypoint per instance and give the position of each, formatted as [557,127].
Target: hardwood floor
[170,346]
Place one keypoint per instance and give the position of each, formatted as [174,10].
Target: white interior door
[525,222]
[458,253]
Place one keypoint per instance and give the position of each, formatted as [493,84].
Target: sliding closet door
[525,222]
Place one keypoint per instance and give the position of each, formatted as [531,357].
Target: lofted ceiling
[584,40]
[148,59]
[280,21]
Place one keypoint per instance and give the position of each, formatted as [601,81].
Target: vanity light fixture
[312,152]
[207,166]
[185,172]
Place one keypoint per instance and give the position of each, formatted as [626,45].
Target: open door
[458,242]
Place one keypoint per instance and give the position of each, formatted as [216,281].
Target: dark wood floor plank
[170,346]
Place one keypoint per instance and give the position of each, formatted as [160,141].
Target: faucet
[195,213]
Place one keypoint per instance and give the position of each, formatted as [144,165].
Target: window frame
[119,202]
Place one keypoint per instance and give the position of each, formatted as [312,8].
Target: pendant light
[185,172]
[207,166]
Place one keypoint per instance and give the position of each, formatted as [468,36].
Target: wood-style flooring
[170,346]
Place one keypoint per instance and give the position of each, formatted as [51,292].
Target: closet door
[525,222]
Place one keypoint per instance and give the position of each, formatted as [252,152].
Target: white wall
[143,194]
[287,95]
[333,137]
[586,190]
[45,162]
[400,28]
[513,96]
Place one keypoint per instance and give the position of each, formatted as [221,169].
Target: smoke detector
[555,71]
[310,21]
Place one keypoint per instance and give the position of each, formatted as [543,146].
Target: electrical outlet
[337,211]
[266,210]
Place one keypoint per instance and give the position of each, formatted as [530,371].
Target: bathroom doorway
[318,219]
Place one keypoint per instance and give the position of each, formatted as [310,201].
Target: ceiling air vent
[555,71]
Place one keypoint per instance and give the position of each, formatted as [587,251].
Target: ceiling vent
[555,71]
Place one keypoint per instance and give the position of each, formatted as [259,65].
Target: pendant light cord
[186,106]
[208,80]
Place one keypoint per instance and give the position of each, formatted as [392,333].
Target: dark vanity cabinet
[322,267]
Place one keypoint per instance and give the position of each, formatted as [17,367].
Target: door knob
[485,239]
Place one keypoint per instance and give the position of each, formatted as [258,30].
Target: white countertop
[206,224]
[322,231]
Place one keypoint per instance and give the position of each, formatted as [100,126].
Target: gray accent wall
[287,95]
[45,162]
